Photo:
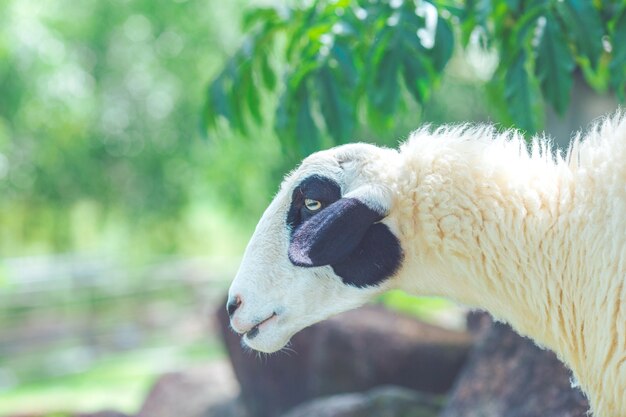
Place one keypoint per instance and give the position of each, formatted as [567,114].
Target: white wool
[537,239]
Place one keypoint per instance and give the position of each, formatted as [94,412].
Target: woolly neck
[534,238]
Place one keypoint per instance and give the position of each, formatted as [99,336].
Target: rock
[374,346]
[232,407]
[190,393]
[509,376]
[478,323]
[388,401]
[352,352]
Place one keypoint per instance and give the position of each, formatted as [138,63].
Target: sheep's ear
[333,234]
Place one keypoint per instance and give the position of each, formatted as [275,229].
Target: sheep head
[323,246]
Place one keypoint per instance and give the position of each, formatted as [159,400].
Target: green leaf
[245,93]
[384,91]
[302,71]
[554,65]
[475,17]
[297,38]
[281,122]
[217,101]
[306,131]
[381,45]
[336,108]
[345,60]
[253,100]
[483,10]
[416,78]
[225,97]
[267,72]
[514,5]
[259,15]
[585,26]
[523,30]
[285,120]
[519,96]
[444,44]
[241,79]
[618,62]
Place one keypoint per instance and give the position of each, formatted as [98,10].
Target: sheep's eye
[312,205]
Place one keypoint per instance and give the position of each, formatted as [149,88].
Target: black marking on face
[377,258]
[315,187]
[345,234]
[333,234]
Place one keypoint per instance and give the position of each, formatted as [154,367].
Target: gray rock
[388,401]
[352,352]
[232,407]
[509,376]
[190,393]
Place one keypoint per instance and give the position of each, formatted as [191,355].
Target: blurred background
[119,227]
[121,222]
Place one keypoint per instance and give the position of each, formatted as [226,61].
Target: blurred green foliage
[342,62]
[100,111]
[101,118]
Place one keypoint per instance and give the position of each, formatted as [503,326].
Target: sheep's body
[462,212]
[538,241]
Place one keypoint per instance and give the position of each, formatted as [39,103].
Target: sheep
[468,213]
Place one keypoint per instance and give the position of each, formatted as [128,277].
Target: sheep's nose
[232,305]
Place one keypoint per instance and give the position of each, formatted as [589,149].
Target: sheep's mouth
[254,331]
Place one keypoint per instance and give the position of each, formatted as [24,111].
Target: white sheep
[462,212]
